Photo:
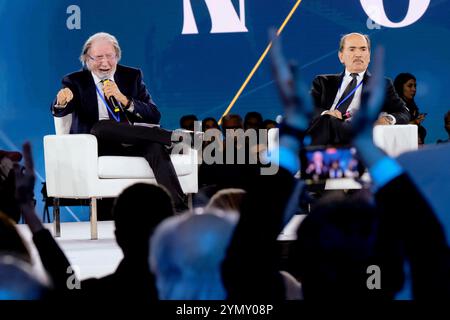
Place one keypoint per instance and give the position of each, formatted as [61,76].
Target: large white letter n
[224,18]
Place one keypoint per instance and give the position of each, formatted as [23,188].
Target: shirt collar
[97,80]
[360,74]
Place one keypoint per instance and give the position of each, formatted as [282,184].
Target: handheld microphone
[116,104]
[113,101]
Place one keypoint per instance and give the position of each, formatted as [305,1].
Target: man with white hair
[108,100]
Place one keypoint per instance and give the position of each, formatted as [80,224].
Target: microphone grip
[115,103]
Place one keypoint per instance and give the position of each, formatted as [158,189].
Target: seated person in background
[187,122]
[210,123]
[232,121]
[335,170]
[406,85]
[253,120]
[388,233]
[352,170]
[269,124]
[316,169]
[227,200]
[111,101]
[337,97]
[447,127]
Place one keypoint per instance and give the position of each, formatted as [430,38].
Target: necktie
[352,85]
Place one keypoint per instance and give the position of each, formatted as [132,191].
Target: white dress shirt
[356,102]
[102,109]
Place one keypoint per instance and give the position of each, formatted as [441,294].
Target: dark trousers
[329,130]
[144,142]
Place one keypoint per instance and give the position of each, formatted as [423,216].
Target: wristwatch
[129,104]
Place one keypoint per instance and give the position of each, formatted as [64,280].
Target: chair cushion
[119,167]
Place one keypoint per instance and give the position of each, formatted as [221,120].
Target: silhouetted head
[269,124]
[253,120]
[137,211]
[232,121]
[187,122]
[209,123]
[186,255]
[337,243]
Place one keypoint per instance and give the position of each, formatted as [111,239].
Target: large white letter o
[375,10]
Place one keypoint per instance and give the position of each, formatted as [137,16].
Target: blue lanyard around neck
[117,118]
[349,95]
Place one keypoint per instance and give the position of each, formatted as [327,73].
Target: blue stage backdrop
[196,54]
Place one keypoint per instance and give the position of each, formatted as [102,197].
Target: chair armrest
[63,124]
[396,139]
[71,165]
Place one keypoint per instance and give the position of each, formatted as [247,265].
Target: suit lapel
[337,83]
[118,79]
[366,77]
[90,95]
[334,84]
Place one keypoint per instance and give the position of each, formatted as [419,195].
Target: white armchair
[395,140]
[74,170]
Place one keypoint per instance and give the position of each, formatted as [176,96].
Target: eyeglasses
[109,57]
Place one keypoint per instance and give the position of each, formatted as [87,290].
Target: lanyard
[117,118]
[348,96]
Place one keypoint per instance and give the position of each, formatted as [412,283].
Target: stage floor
[97,258]
[92,258]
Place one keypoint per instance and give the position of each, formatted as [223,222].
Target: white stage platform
[94,258]
[97,258]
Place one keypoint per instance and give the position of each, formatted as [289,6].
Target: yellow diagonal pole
[258,63]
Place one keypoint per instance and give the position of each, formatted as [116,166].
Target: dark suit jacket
[84,106]
[325,88]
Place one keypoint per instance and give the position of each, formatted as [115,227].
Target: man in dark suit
[121,126]
[338,96]
[326,251]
